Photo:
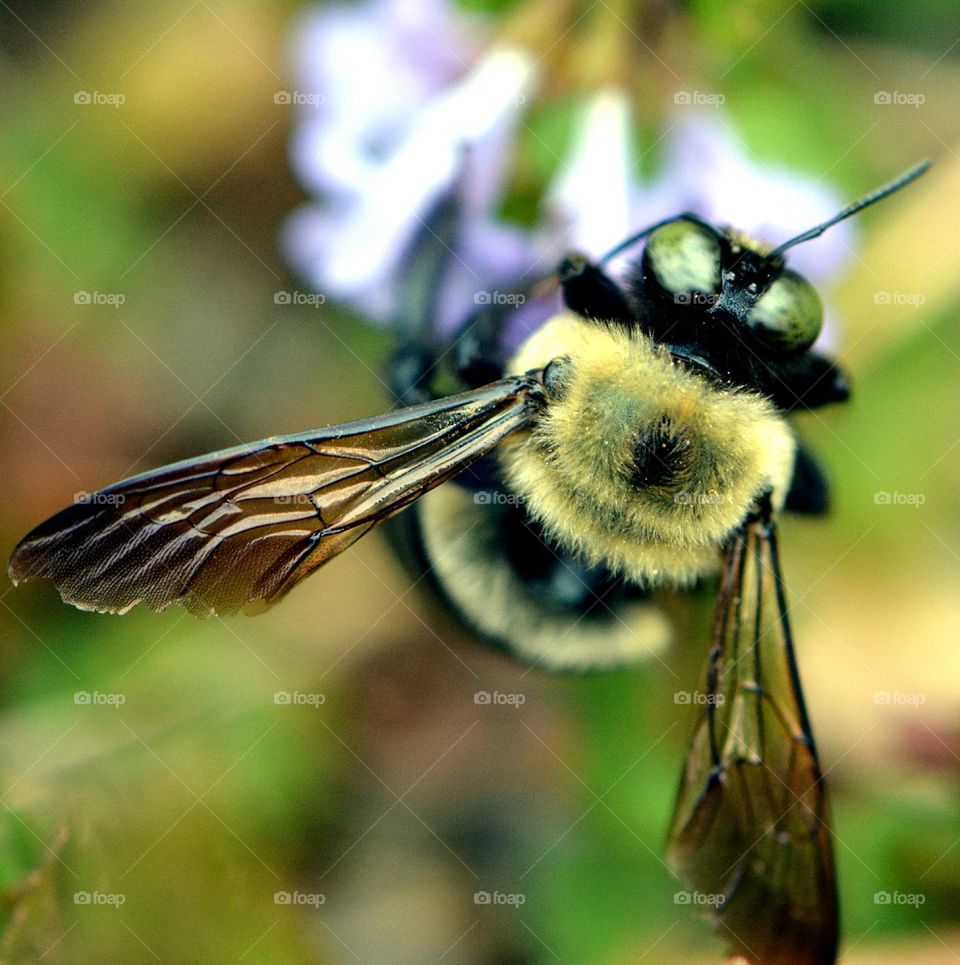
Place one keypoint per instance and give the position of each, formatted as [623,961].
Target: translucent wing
[749,833]
[242,526]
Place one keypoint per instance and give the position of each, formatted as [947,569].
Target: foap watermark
[115,899]
[314,899]
[98,98]
[884,498]
[298,98]
[113,299]
[696,298]
[498,298]
[494,497]
[486,698]
[711,498]
[899,898]
[295,499]
[914,299]
[95,698]
[699,898]
[896,698]
[898,98]
[313,299]
[698,98]
[295,698]
[99,498]
[498,898]
[698,697]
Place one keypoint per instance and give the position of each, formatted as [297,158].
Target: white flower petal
[589,200]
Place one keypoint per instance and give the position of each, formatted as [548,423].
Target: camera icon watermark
[696,298]
[898,98]
[485,698]
[708,498]
[899,898]
[295,499]
[698,697]
[884,498]
[113,299]
[896,698]
[97,98]
[700,898]
[99,498]
[498,898]
[498,298]
[313,899]
[495,497]
[99,898]
[313,299]
[95,698]
[698,98]
[913,299]
[295,698]
[298,98]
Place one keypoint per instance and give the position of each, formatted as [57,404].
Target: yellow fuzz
[575,467]
[746,241]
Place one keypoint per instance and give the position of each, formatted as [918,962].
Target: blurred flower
[406,139]
[588,205]
[385,149]
[367,70]
[591,199]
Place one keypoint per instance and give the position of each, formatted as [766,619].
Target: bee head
[702,283]
[715,294]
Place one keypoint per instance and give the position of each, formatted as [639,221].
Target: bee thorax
[640,463]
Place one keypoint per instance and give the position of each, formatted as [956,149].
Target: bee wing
[239,528]
[750,833]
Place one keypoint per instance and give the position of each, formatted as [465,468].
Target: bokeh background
[182,814]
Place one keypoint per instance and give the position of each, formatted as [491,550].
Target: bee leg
[427,352]
[590,292]
[410,371]
[809,382]
[476,357]
[809,492]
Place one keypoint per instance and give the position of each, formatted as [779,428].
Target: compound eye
[684,257]
[788,315]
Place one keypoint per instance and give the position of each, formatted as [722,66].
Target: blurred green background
[183,811]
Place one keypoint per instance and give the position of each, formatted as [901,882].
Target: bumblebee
[638,440]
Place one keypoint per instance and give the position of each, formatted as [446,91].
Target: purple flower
[369,68]
[385,149]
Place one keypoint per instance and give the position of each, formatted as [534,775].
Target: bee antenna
[852,209]
[640,235]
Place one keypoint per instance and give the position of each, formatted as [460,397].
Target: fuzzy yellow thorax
[576,470]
